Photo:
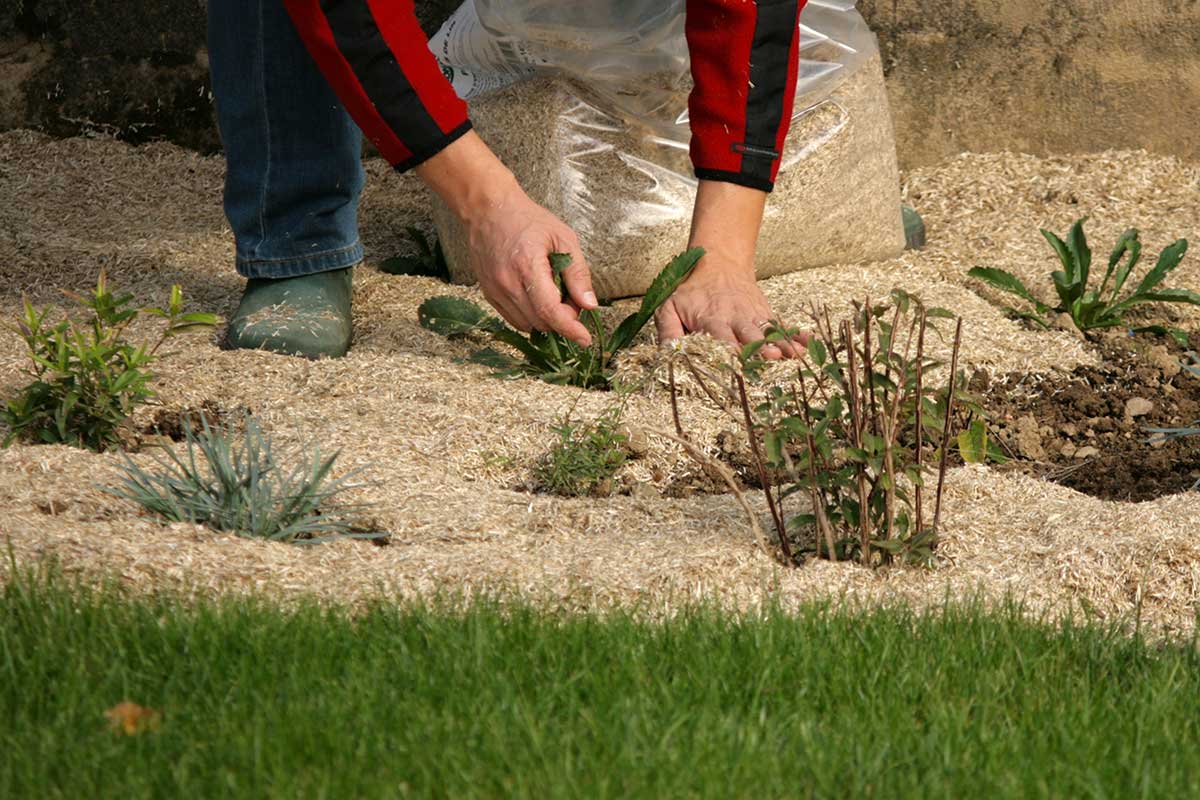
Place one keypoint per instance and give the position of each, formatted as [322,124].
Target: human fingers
[578,277]
[668,323]
[748,332]
[545,309]
[502,298]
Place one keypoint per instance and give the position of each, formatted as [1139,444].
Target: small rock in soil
[1029,439]
[1161,359]
[1069,450]
[636,440]
[1138,407]
[1087,452]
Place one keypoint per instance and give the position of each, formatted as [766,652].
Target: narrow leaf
[1007,282]
[661,289]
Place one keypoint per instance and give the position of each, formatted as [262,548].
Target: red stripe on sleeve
[314,30]
[397,22]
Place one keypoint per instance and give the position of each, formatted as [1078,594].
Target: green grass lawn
[259,702]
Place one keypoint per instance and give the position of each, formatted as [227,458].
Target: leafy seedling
[585,457]
[549,356]
[1102,307]
[87,379]
[429,262]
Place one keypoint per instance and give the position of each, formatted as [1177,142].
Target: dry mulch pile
[451,448]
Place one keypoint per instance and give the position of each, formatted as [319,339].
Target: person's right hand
[510,238]
[510,242]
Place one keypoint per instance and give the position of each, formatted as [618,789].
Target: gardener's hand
[510,238]
[721,297]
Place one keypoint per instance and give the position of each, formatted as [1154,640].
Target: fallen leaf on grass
[131,719]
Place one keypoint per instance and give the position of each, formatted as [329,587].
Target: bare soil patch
[1089,428]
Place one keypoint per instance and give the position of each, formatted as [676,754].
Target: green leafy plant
[585,457]
[854,434]
[1101,307]
[549,356]
[429,262]
[244,487]
[87,380]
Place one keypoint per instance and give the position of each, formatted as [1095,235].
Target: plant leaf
[1179,336]
[1081,255]
[661,289]
[1127,245]
[490,357]
[1061,250]
[454,316]
[1161,296]
[406,265]
[1168,260]
[973,443]
[1007,282]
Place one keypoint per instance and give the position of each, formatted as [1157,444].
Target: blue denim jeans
[293,155]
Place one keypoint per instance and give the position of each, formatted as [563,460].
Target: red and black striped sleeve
[745,55]
[375,56]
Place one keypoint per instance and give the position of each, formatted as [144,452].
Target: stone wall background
[981,75]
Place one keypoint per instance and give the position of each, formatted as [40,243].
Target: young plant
[585,457]
[244,488]
[429,262]
[1101,307]
[855,434]
[87,380]
[550,356]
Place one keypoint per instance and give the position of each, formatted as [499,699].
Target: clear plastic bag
[587,104]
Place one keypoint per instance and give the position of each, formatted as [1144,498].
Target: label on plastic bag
[474,60]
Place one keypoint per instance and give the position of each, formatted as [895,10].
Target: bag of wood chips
[595,128]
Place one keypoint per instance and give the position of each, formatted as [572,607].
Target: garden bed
[451,448]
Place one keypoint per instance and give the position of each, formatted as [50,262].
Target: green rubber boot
[306,316]
[914,228]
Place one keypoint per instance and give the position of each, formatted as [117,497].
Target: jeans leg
[293,155]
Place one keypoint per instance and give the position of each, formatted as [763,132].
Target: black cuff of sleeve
[735,177]
[419,158]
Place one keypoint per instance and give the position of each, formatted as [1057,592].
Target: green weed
[1097,308]
[585,458]
[550,356]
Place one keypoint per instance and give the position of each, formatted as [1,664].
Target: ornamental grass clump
[244,487]
[549,356]
[1094,308]
[854,437]
[87,379]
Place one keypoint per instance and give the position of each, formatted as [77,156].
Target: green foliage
[973,443]
[854,435]
[429,262]
[1101,307]
[585,457]
[87,380]
[244,488]
[549,356]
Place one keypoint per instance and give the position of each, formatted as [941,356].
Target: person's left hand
[722,299]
